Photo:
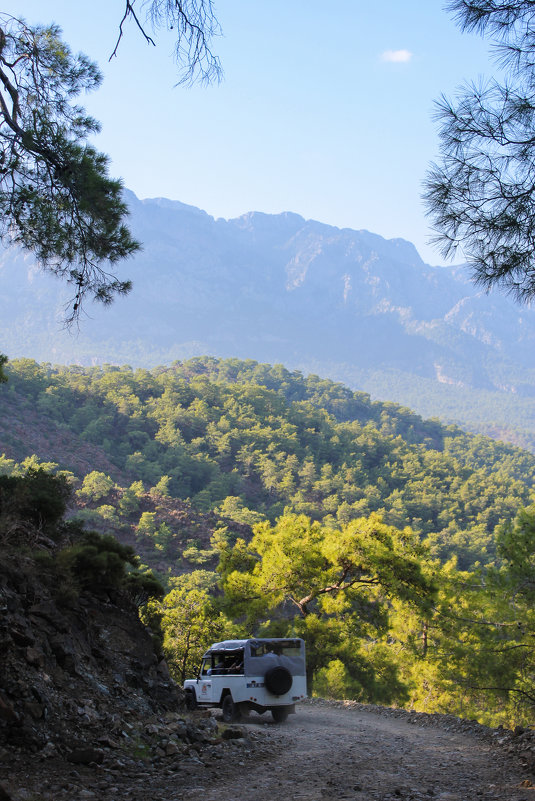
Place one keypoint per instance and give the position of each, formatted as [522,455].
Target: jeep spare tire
[278,680]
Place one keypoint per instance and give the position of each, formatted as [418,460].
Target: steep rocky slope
[24,431]
[87,707]
[71,665]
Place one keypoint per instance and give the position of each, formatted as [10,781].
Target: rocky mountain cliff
[347,304]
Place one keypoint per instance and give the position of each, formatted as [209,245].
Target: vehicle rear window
[289,648]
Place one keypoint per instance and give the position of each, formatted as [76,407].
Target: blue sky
[325,108]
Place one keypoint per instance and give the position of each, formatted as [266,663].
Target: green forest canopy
[238,435]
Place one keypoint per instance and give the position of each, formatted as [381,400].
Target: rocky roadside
[159,758]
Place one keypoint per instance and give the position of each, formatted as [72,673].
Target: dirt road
[325,751]
[336,752]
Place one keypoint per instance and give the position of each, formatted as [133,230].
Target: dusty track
[325,751]
[354,753]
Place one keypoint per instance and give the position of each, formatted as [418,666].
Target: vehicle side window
[225,663]
[206,665]
[219,665]
[234,663]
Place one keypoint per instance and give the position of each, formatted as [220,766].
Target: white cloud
[396,56]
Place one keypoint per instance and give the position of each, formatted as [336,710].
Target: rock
[4,795]
[34,656]
[233,733]
[132,679]
[22,638]
[57,673]
[179,728]
[108,741]
[48,751]
[84,756]
[88,713]
[163,670]
[210,724]
[7,711]
[192,761]
[49,611]
[38,695]
[63,650]
[34,709]
[24,795]
[152,728]
[194,792]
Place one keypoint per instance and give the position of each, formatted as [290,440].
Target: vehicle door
[204,682]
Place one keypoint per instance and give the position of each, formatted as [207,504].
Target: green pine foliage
[188,620]
[334,587]
[32,509]
[56,197]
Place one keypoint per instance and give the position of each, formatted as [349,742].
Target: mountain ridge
[278,288]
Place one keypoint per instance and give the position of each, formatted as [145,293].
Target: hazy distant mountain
[346,304]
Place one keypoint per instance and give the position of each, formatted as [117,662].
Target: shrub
[37,498]
[98,561]
[142,586]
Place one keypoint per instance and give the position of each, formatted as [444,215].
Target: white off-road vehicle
[255,674]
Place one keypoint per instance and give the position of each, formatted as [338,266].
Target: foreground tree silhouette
[194,24]
[56,197]
[482,194]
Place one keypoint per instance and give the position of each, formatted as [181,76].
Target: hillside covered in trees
[271,502]
[251,440]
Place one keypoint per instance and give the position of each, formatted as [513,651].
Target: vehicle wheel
[191,700]
[231,713]
[280,713]
[278,680]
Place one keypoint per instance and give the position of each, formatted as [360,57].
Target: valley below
[326,750]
